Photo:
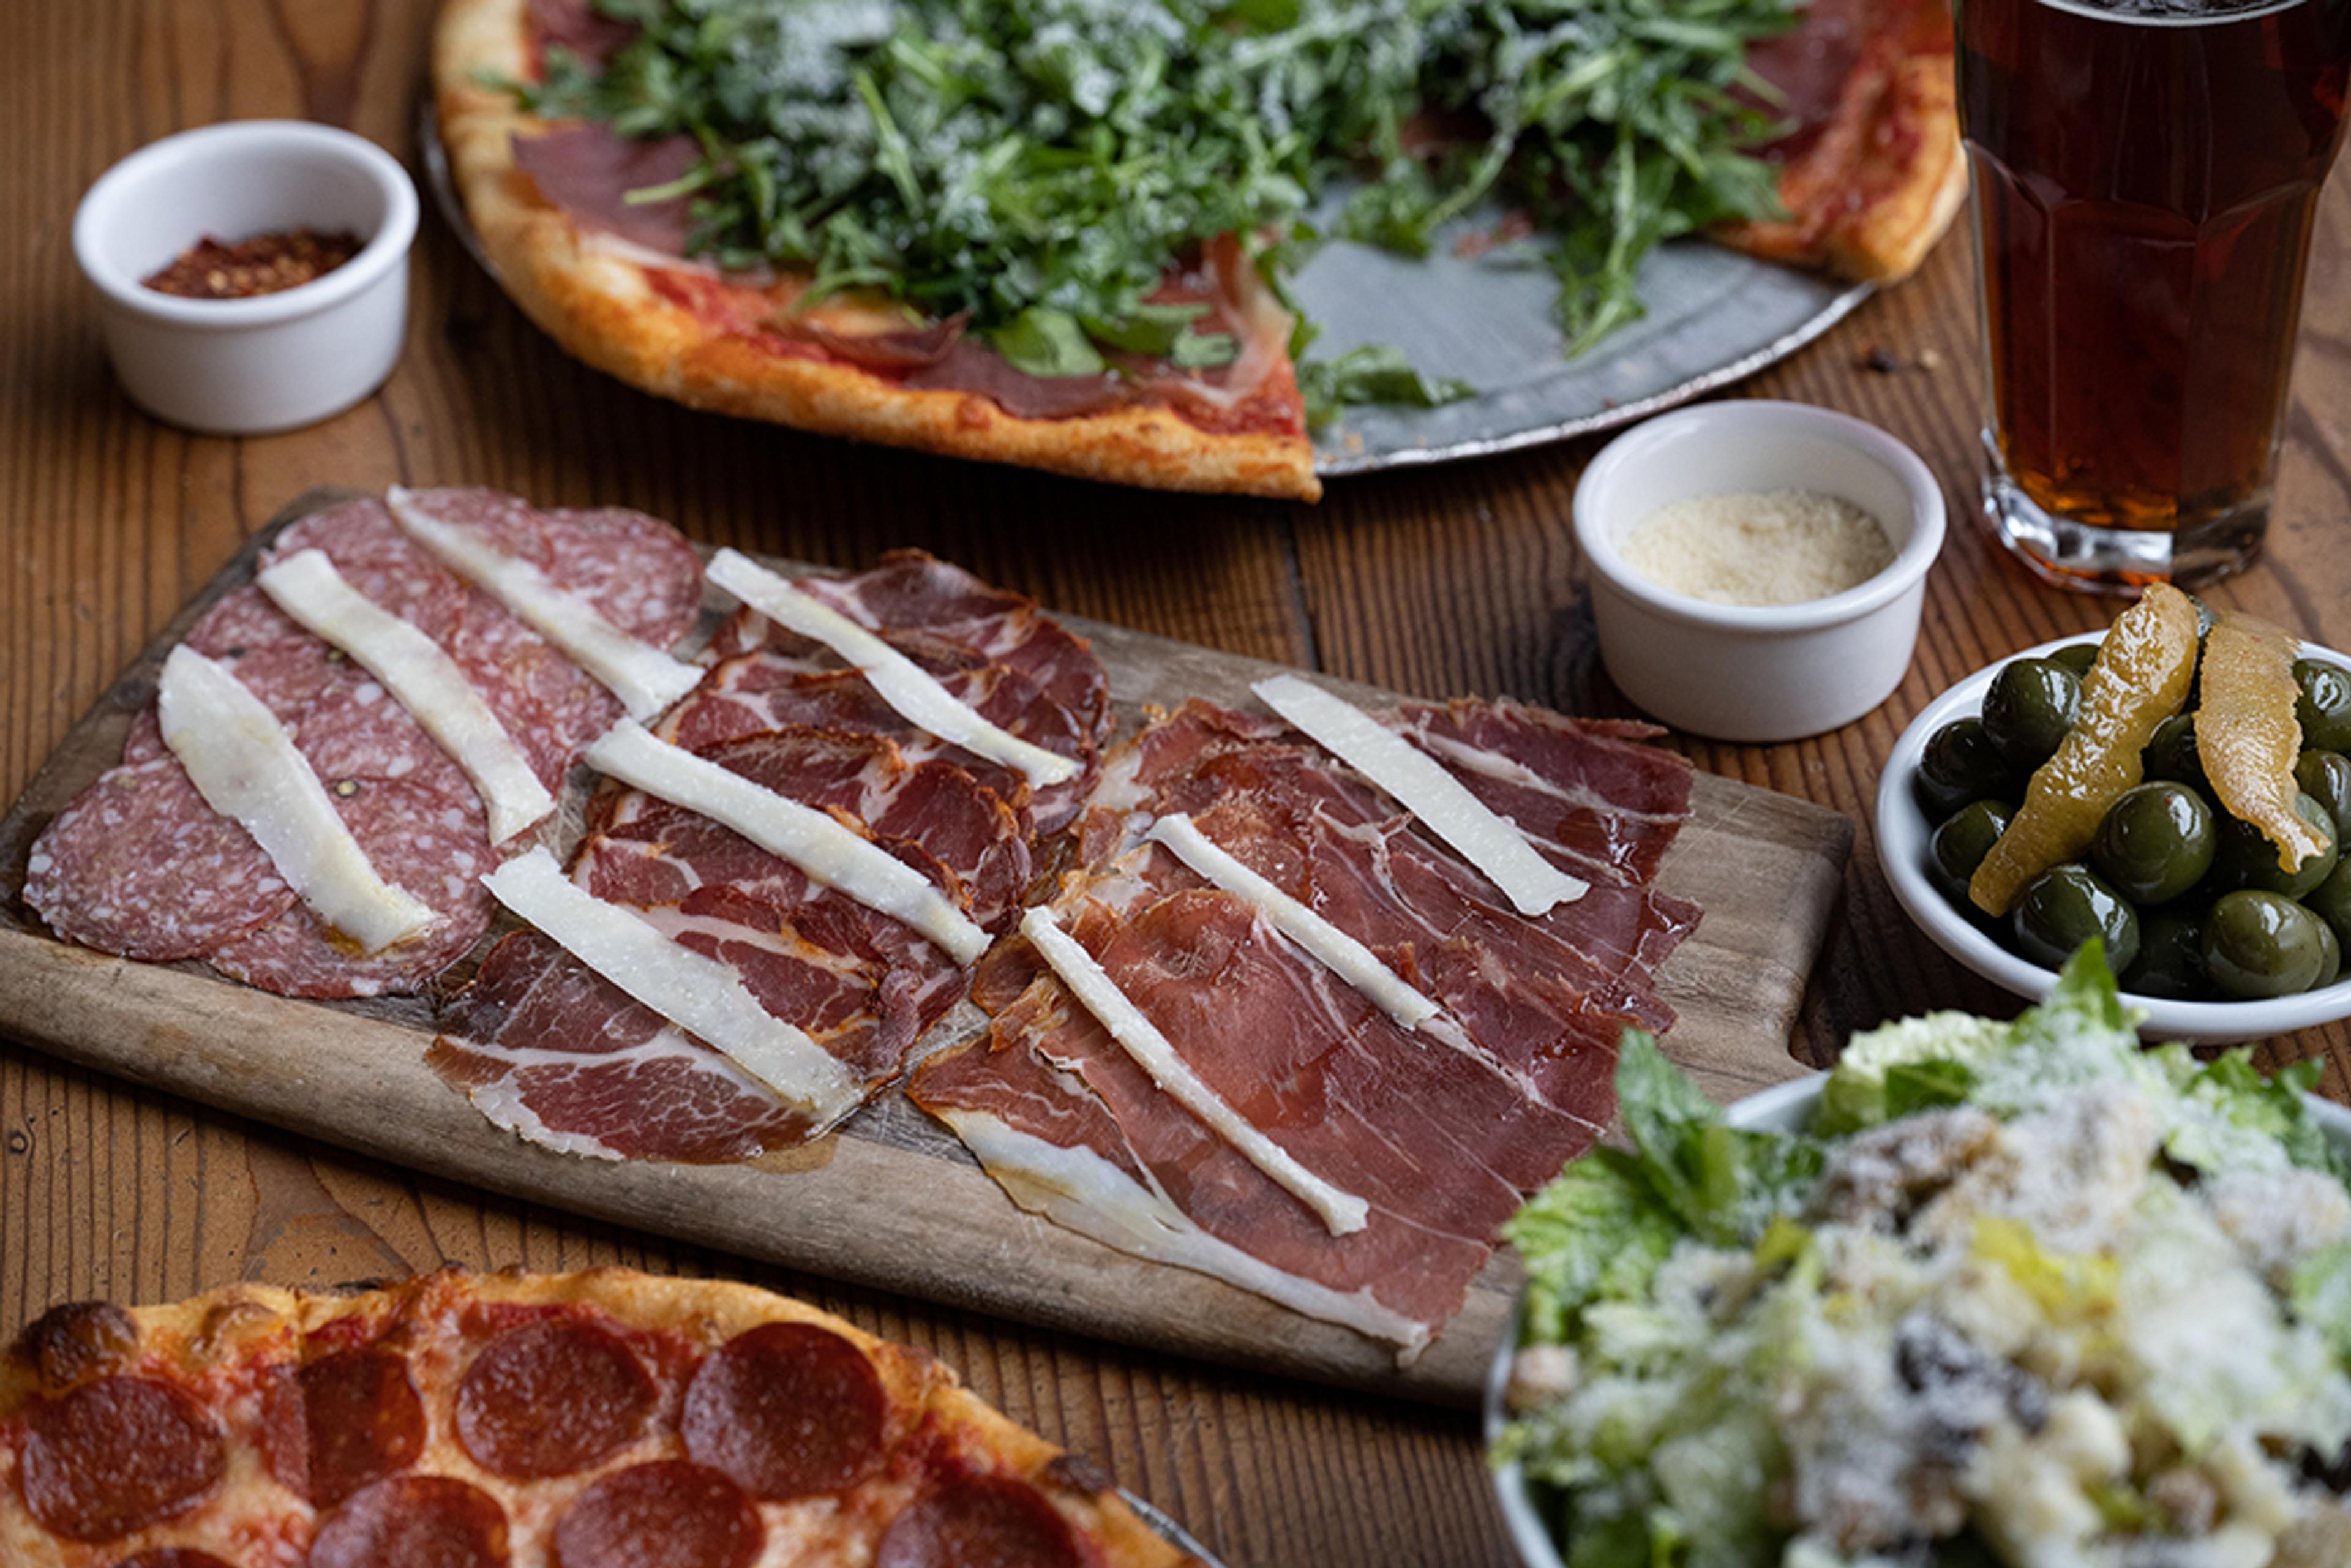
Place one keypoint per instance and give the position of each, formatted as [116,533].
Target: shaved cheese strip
[424,680]
[1490,841]
[830,855]
[699,993]
[646,678]
[1342,1213]
[246,765]
[896,679]
[1078,1188]
[1340,953]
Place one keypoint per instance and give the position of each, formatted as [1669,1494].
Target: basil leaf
[1049,343]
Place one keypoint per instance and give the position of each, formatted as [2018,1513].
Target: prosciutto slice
[1442,1129]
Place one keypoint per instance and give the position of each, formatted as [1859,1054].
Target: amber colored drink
[2145,176]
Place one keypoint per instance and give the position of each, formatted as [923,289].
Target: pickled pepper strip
[2141,678]
[2247,736]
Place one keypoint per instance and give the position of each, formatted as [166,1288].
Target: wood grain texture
[1456,579]
[893,1199]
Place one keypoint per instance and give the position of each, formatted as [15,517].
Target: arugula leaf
[1042,342]
[996,157]
[1374,372]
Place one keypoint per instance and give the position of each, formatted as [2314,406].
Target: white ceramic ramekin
[1786,1109]
[1757,673]
[247,367]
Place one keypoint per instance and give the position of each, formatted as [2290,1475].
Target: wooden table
[1451,580]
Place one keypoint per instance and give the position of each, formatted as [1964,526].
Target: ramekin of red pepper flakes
[265,263]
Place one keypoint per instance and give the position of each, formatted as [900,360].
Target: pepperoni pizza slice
[1872,171]
[605,1419]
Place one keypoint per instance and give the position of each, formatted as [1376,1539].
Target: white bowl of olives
[2213,940]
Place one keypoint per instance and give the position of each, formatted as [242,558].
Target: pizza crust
[599,308]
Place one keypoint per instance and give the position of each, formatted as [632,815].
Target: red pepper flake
[218,269]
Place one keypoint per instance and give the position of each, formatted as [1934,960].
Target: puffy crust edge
[599,310]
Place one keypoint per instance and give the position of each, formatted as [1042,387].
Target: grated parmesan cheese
[1778,547]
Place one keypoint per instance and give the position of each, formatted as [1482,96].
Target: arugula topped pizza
[1055,231]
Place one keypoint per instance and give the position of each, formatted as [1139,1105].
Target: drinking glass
[2145,176]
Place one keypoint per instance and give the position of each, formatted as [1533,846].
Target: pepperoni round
[786,1410]
[362,1420]
[980,1521]
[552,1398]
[138,864]
[117,1454]
[413,1521]
[668,1514]
[172,1557]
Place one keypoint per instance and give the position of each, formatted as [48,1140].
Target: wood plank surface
[893,1199]
[1462,579]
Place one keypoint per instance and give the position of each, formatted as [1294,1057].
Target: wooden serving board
[891,1199]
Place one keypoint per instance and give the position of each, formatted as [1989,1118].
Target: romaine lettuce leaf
[1596,1233]
[1724,1183]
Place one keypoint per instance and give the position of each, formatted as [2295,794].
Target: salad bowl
[1787,1108]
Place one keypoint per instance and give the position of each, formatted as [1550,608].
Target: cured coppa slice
[766,689]
[935,806]
[431,846]
[138,865]
[548,1048]
[912,592]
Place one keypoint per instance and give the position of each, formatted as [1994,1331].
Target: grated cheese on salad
[2022,1294]
[1776,546]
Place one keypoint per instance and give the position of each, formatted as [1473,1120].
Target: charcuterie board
[892,1199]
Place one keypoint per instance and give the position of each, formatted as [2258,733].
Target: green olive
[2331,901]
[2155,844]
[2078,658]
[2259,945]
[1959,765]
[2326,777]
[2028,708]
[2245,856]
[2065,906]
[2330,961]
[2324,707]
[2170,962]
[2171,754]
[1960,846]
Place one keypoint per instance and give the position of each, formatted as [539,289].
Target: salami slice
[361,1421]
[145,741]
[980,1521]
[138,864]
[550,1399]
[667,1514]
[240,620]
[373,556]
[549,705]
[117,1455]
[357,730]
[289,676]
[413,1521]
[787,1410]
[433,848]
[635,570]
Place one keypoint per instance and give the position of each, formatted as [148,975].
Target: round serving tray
[1714,318]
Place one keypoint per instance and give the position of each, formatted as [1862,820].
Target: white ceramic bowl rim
[233,142]
[1784,1107]
[1952,932]
[1639,446]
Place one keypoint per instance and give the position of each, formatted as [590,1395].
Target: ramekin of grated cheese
[1768,503]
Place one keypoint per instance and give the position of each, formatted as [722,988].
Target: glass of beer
[2146,173]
